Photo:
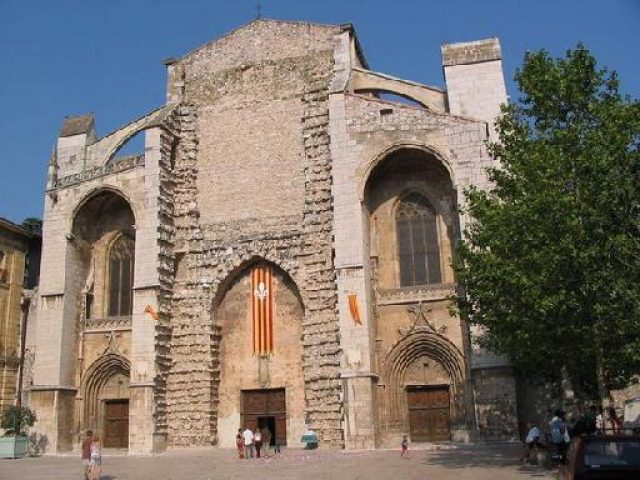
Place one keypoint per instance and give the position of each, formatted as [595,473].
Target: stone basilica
[278,256]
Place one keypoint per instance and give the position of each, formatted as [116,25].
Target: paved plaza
[476,462]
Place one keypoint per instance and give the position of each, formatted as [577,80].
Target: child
[405,446]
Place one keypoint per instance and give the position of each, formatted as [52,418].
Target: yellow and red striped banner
[262,309]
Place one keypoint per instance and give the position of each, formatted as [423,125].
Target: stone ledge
[404,295]
[120,165]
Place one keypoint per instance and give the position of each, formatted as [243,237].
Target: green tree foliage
[33,224]
[550,266]
[16,419]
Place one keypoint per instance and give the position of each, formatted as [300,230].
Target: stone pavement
[468,462]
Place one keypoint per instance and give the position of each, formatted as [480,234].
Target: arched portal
[104,249]
[100,277]
[410,204]
[424,371]
[258,313]
[104,395]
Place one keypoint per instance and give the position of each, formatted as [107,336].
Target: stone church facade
[278,153]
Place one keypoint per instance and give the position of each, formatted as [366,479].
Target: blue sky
[68,57]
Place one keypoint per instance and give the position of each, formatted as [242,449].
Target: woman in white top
[95,460]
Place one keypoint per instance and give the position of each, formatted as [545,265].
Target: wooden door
[281,430]
[429,413]
[116,424]
[265,403]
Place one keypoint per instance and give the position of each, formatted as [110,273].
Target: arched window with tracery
[120,283]
[418,247]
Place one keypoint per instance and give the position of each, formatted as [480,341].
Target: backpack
[557,435]
[558,430]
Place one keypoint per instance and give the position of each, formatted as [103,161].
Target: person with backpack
[559,434]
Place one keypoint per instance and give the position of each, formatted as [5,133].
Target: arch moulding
[422,343]
[87,196]
[366,168]
[239,263]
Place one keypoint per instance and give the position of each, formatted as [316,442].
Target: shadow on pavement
[483,456]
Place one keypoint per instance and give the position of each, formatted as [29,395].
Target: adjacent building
[19,264]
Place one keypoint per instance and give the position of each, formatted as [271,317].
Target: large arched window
[120,282]
[418,247]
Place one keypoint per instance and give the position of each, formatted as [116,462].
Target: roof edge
[172,60]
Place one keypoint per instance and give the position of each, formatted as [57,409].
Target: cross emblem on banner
[262,306]
[261,292]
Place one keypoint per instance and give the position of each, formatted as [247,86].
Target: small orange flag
[353,308]
[151,311]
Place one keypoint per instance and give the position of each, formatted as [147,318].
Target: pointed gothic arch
[242,267]
[120,255]
[255,385]
[417,241]
[449,392]
[424,343]
[105,368]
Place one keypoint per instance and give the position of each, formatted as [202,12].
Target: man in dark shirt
[86,453]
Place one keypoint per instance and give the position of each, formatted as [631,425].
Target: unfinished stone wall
[169,147]
[241,195]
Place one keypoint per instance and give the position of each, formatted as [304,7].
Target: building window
[418,247]
[121,277]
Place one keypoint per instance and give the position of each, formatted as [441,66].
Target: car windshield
[611,452]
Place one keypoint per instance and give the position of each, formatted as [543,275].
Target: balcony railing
[109,323]
[117,165]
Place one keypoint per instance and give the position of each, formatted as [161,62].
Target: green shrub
[16,419]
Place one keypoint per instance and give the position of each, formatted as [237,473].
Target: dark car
[610,457]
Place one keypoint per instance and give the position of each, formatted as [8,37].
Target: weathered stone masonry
[300,243]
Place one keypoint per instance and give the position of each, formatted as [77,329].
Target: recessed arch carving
[109,365]
[429,344]
[366,170]
[93,194]
[240,264]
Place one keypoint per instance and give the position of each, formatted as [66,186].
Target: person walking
[266,440]
[257,441]
[86,453]
[95,462]
[247,436]
[404,445]
[559,434]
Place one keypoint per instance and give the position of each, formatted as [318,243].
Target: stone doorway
[266,407]
[116,423]
[429,413]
